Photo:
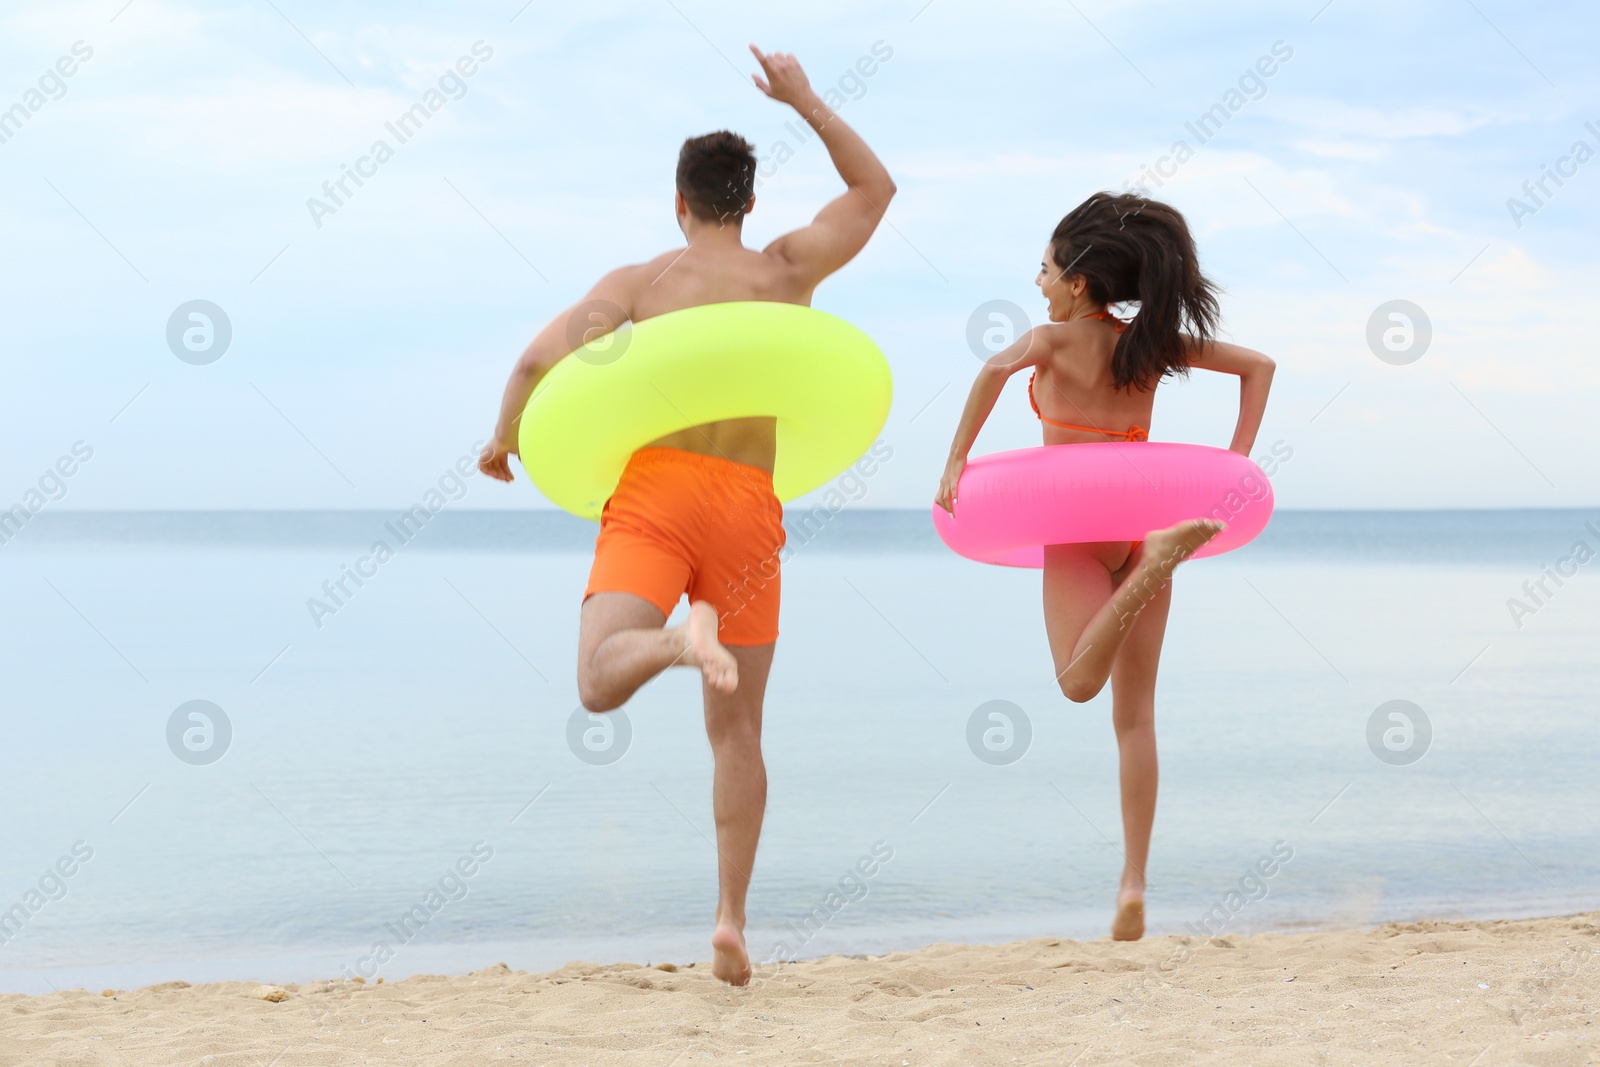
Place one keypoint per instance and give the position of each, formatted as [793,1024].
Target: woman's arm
[1255,381]
[1029,350]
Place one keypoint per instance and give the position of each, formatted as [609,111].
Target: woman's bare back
[1073,384]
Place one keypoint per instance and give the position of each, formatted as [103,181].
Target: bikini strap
[1133,433]
[1105,315]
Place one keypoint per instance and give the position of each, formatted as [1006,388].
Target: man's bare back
[712,270]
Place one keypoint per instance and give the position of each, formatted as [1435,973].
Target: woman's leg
[1088,614]
[1078,584]
[1133,710]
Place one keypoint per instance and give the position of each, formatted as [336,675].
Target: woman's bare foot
[1165,549]
[1129,922]
[730,961]
[717,665]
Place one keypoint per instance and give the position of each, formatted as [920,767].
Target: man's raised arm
[842,227]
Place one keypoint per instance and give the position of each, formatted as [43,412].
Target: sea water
[400,780]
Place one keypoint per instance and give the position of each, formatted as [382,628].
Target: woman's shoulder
[1064,340]
[1083,328]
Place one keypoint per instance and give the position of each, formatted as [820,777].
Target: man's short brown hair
[717,176]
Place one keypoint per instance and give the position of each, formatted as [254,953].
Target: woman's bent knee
[1079,690]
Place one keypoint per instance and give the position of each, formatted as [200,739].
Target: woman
[1094,378]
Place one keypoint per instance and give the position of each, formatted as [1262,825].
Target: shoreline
[544,954]
[540,955]
[1406,992]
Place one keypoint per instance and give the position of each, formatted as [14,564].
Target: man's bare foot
[717,665]
[731,962]
[1165,549]
[1129,923]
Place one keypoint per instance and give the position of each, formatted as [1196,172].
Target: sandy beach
[1478,993]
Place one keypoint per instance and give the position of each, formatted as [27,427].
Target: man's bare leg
[623,643]
[1133,710]
[1088,615]
[739,800]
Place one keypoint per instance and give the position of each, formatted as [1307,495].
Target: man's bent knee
[593,699]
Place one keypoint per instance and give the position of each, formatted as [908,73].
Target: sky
[369,345]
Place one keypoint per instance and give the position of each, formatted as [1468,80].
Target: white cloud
[1336,119]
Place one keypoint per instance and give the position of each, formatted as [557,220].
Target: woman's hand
[946,496]
[494,460]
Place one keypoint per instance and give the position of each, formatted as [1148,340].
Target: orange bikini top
[1132,433]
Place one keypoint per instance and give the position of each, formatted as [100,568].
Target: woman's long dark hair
[1129,248]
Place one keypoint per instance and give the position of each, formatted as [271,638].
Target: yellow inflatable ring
[825,381]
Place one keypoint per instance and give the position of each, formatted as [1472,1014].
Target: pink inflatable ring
[1009,505]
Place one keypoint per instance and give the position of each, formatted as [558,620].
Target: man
[694,511]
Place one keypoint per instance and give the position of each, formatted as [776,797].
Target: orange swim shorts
[683,523]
